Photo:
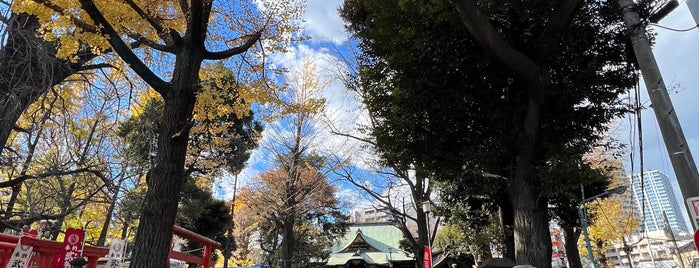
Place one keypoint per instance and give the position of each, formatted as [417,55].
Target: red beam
[194,237]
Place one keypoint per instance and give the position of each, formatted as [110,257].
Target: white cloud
[342,109]
[323,23]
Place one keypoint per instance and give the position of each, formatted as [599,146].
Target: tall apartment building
[655,195]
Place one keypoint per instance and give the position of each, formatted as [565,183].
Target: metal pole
[583,222]
[429,240]
[582,210]
[680,156]
[627,249]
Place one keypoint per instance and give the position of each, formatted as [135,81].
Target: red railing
[208,244]
[45,250]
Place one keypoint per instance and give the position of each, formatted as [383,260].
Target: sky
[675,53]
[326,31]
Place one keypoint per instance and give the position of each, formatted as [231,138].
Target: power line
[673,29]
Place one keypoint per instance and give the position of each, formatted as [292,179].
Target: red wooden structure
[45,250]
[208,244]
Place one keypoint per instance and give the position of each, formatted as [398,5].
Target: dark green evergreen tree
[202,214]
[492,94]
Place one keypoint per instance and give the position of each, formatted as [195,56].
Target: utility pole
[680,156]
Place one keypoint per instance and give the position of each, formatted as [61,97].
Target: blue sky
[674,51]
[324,26]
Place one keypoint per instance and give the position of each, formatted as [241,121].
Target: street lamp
[582,210]
[427,207]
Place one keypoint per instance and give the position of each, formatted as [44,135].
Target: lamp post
[427,207]
[582,210]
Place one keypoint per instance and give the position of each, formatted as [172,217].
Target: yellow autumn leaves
[65,22]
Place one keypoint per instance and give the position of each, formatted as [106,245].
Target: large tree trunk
[531,233]
[531,220]
[422,233]
[165,179]
[532,238]
[287,246]
[507,222]
[28,68]
[572,253]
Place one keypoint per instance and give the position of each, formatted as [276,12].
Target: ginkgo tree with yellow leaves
[58,158]
[223,134]
[183,34]
[296,213]
[611,221]
[611,218]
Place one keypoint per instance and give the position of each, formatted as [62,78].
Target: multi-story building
[654,195]
[648,250]
[371,214]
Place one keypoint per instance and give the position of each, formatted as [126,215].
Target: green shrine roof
[375,243]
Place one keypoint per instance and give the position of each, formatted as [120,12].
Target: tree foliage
[304,203]
[611,218]
[610,222]
[64,159]
[29,67]
[298,214]
[182,30]
[492,89]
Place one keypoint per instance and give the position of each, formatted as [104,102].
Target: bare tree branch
[142,40]
[184,7]
[153,23]
[96,66]
[22,178]
[169,36]
[233,51]
[4,19]
[492,42]
[34,217]
[123,50]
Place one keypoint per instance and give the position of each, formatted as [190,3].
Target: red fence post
[207,256]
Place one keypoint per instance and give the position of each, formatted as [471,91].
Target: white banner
[20,256]
[116,253]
